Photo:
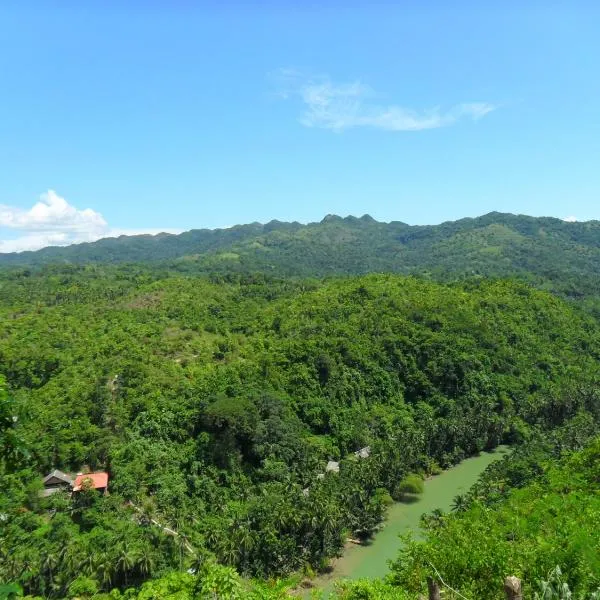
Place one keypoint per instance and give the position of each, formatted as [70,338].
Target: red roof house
[96,481]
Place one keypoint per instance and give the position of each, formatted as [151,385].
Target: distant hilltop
[496,244]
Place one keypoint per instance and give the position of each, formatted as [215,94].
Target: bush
[83,587]
[411,485]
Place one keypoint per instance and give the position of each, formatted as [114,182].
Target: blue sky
[120,117]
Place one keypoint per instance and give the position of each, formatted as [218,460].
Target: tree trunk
[434,589]
[512,588]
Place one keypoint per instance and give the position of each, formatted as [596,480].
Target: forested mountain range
[559,255]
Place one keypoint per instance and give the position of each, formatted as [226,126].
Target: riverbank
[371,560]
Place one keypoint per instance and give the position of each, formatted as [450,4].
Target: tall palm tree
[84,565]
[145,561]
[105,568]
[125,560]
[50,561]
[245,539]
[229,551]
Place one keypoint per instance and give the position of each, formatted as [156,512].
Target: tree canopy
[216,402]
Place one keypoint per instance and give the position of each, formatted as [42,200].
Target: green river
[371,560]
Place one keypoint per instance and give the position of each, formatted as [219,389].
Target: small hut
[55,482]
[363,452]
[332,467]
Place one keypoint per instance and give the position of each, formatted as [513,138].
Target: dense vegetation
[548,252]
[215,404]
[535,510]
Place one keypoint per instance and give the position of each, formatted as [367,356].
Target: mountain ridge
[547,251]
[276,224]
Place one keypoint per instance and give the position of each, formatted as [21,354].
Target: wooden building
[55,482]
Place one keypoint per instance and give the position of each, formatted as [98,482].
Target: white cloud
[54,222]
[570,219]
[336,106]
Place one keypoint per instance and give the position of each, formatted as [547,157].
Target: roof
[333,466]
[363,452]
[97,481]
[56,474]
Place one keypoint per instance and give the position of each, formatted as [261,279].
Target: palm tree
[106,569]
[125,560]
[460,503]
[85,565]
[229,551]
[212,535]
[245,539]
[434,519]
[49,563]
[145,561]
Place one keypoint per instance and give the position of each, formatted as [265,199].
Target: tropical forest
[247,413]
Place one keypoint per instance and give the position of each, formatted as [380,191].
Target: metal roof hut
[332,467]
[363,452]
[55,482]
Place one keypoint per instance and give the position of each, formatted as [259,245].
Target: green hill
[560,255]
[215,407]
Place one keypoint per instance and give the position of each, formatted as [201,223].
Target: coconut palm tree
[50,561]
[105,567]
[125,560]
[145,561]
[460,503]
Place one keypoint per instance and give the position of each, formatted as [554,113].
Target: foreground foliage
[551,520]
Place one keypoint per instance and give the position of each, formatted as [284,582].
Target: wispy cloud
[570,219]
[340,106]
[52,221]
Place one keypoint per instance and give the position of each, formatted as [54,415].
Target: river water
[371,560]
